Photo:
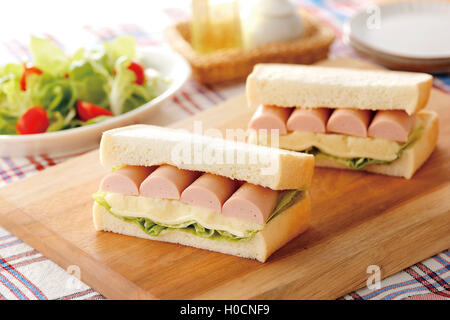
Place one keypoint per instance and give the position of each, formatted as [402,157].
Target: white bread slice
[287,85]
[145,145]
[276,233]
[410,160]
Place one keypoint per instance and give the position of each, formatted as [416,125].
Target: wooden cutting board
[358,219]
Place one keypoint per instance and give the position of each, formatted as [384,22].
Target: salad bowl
[169,64]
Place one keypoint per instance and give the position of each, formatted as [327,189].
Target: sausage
[251,202]
[167,182]
[392,125]
[349,121]
[270,117]
[126,180]
[209,191]
[312,120]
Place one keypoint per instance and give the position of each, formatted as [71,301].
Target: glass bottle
[215,25]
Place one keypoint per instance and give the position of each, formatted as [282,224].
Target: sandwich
[201,191]
[347,118]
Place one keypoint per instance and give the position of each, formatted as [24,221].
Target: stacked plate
[413,35]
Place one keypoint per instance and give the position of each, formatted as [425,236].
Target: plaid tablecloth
[27,274]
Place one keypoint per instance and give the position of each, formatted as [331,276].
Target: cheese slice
[174,212]
[338,145]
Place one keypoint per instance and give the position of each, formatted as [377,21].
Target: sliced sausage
[349,121]
[167,182]
[392,125]
[126,180]
[251,202]
[209,191]
[312,120]
[270,117]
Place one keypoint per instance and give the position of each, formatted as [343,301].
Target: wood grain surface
[358,219]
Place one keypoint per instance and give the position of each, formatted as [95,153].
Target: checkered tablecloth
[27,274]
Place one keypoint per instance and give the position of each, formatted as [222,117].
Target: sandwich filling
[155,216]
[164,198]
[354,152]
[351,137]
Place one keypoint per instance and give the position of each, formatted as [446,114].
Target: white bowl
[168,63]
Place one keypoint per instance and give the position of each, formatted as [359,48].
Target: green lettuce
[99,76]
[13,100]
[49,57]
[285,200]
[125,94]
[360,163]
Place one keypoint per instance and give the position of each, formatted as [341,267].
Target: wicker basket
[236,64]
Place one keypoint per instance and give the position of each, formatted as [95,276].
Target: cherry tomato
[88,111]
[34,120]
[138,71]
[27,72]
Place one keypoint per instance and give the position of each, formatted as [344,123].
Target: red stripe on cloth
[21,255]
[33,288]
[178,102]
[13,51]
[188,98]
[13,288]
[203,92]
[53,39]
[428,296]
[23,48]
[211,89]
[16,169]
[4,175]
[110,32]
[96,297]
[356,296]
[49,160]
[424,282]
[27,262]
[8,270]
[95,33]
[433,275]
[37,165]
[76,295]
[11,243]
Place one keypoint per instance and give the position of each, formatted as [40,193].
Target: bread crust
[280,230]
[286,85]
[145,145]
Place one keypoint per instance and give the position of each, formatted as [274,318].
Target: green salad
[58,92]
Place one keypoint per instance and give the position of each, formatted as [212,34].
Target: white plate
[393,62]
[412,30]
[169,63]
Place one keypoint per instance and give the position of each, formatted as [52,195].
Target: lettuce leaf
[13,100]
[49,57]
[124,46]
[125,94]
[286,199]
[91,82]
[360,163]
